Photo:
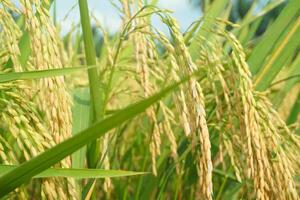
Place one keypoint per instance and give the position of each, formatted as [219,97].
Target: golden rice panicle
[211,56]
[7,157]
[258,165]
[20,121]
[285,162]
[45,49]
[159,72]
[141,54]
[252,145]
[52,97]
[150,71]
[195,102]
[180,99]
[24,124]
[273,178]
[9,36]
[126,9]
[169,119]
[185,105]
[18,116]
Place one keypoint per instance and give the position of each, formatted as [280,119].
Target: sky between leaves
[67,13]
[107,14]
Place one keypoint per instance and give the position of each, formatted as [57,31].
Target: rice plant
[208,113]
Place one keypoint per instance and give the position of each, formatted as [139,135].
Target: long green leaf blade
[13,76]
[251,18]
[294,112]
[77,173]
[294,71]
[94,79]
[90,55]
[214,11]
[81,107]
[265,46]
[279,56]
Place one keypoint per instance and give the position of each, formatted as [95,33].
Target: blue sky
[184,12]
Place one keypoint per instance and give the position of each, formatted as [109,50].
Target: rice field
[211,112]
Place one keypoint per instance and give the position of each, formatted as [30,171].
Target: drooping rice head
[44,55]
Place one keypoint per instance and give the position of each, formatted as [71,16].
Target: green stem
[96,97]
[294,111]
[219,196]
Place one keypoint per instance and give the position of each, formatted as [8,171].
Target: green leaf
[96,105]
[247,33]
[289,84]
[279,56]
[23,173]
[81,120]
[215,10]
[294,112]
[77,173]
[270,38]
[90,55]
[251,18]
[13,76]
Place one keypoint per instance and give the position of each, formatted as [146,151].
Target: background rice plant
[209,113]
